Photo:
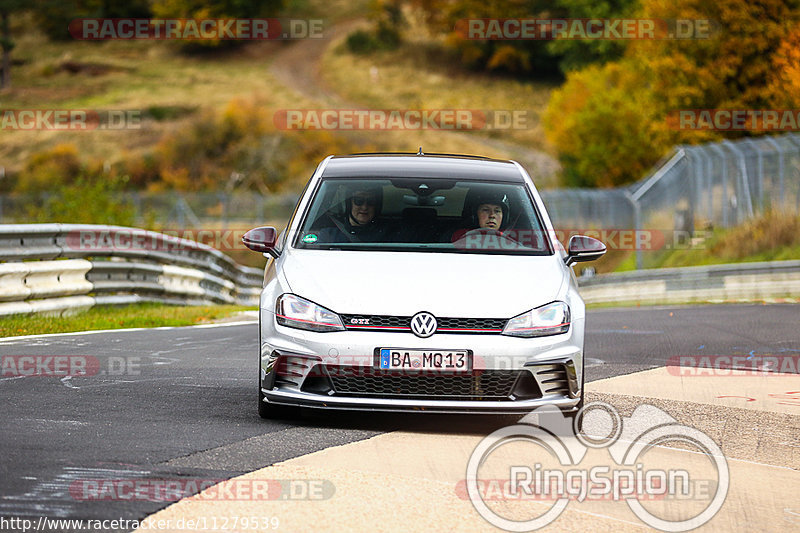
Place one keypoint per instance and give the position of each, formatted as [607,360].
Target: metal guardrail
[53,268]
[714,283]
[60,268]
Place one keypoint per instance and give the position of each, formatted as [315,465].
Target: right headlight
[550,319]
[296,312]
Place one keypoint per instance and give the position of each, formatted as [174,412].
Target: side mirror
[262,240]
[582,248]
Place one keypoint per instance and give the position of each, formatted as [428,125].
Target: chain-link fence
[176,210]
[713,185]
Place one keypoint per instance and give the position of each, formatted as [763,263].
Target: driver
[359,223]
[490,216]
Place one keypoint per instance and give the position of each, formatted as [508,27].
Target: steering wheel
[490,232]
[487,239]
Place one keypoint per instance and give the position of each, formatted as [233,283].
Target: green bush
[360,42]
[91,199]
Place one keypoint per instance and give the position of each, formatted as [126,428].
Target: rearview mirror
[582,248]
[262,240]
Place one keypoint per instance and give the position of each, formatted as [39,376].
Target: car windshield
[422,214]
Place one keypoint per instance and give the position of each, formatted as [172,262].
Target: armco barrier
[62,268]
[714,283]
[46,268]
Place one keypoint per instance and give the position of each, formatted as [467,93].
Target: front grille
[479,385]
[403,323]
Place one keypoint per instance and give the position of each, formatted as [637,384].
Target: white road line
[67,382]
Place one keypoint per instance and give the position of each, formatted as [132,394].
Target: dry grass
[775,236]
[774,231]
[413,77]
[140,75]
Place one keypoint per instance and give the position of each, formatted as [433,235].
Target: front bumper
[295,368]
[303,399]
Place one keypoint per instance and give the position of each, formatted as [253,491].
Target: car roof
[422,166]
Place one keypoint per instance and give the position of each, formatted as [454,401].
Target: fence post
[745,182]
[708,162]
[760,174]
[724,176]
[693,194]
[794,140]
[637,223]
[779,149]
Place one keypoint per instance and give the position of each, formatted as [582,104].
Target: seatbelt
[342,229]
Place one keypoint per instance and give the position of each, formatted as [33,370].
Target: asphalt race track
[179,403]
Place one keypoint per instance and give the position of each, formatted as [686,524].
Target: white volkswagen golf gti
[411,282]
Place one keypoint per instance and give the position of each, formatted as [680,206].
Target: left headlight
[296,312]
[550,319]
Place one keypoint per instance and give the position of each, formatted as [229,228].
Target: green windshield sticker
[310,238]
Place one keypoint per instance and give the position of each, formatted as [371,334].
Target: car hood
[403,283]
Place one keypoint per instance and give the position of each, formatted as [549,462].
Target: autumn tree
[784,82]
[605,123]
[574,54]
[729,69]
[53,16]
[609,124]
[524,57]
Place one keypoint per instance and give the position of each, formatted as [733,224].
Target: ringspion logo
[560,476]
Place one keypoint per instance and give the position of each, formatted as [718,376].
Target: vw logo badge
[423,324]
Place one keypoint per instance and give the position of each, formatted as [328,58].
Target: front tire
[270,411]
[573,416]
[264,409]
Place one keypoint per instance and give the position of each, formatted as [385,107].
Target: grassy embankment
[420,75]
[143,315]
[170,88]
[775,236]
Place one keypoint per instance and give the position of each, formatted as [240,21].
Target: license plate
[400,359]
